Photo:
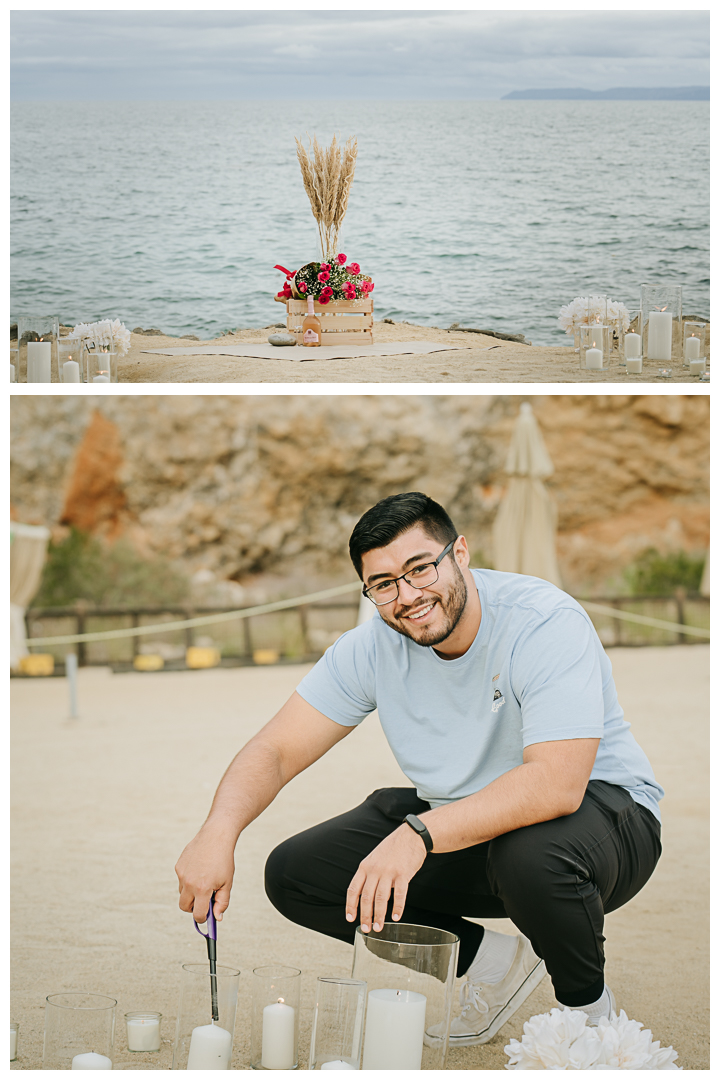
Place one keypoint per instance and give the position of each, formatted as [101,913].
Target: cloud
[426,54]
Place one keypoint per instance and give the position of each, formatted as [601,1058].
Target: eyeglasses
[419,578]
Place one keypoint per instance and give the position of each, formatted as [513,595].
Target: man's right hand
[206,866]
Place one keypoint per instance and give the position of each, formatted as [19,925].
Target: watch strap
[421,829]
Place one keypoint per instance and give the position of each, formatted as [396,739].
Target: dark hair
[391,517]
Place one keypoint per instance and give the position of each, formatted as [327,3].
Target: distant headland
[618,93]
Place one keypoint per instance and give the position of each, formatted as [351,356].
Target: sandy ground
[505,362]
[103,805]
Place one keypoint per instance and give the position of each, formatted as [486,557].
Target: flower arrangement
[336,279]
[561,1039]
[585,310]
[101,335]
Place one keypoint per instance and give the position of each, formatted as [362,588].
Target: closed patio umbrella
[524,528]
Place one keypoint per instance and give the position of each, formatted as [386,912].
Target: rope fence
[325,594]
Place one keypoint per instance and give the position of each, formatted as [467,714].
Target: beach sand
[103,805]
[487,360]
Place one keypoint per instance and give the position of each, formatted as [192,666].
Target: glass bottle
[311,325]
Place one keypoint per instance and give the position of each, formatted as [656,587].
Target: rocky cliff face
[231,487]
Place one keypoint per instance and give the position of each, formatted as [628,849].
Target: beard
[452,606]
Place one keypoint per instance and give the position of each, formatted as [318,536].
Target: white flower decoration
[103,334]
[561,1039]
[585,310]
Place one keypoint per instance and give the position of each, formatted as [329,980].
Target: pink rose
[366,286]
[372,286]
[302,287]
[324,267]
[341,259]
[354,268]
[324,276]
[350,292]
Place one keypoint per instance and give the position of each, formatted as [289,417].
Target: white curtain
[28,545]
[524,528]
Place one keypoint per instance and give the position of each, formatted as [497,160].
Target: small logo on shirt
[496,677]
[498,700]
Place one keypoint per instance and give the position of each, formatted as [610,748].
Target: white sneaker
[485,1007]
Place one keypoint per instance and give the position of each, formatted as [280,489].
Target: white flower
[561,1039]
[103,334]
[584,310]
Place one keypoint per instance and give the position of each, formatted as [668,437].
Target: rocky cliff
[232,487]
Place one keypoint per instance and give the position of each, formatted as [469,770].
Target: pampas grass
[328,177]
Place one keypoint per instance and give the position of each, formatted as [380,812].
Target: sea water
[491,214]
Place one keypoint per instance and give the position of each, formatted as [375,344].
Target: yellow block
[202,656]
[266,656]
[37,664]
[148,662]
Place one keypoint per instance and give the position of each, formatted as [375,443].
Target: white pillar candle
[594,359]
[38,361]
[633,345]
[697,366]
[210,1048]
[143,1034]
[71,371]
[278,1036]
[91,1061]
[394,1030]
[12,373]
[692,347]
[337,1065]
[101,378]
[634,365]
[13,1044]
[659,346]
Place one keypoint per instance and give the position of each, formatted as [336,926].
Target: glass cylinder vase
[410,972]
[200,1041]
[14,1028]
[593,350]
[661,322]
[79,1031]
[694,348]
[14,363]
[70,361]
[275,1015]
[101,365]
[338,1024]
[37,347]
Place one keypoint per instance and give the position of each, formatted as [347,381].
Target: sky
[405,54]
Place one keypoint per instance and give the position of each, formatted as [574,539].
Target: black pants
[555,880]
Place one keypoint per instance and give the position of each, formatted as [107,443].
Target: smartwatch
[417,826]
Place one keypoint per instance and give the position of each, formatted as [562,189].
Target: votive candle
[633,365]
[697,366]
[91,1061]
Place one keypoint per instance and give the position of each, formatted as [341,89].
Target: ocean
[491,214]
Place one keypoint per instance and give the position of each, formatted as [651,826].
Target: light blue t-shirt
[536,672]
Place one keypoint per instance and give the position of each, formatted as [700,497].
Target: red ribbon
[287,273]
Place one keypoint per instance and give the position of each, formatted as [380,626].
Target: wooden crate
[342,322]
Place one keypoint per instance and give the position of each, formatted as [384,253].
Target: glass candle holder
[79,1031]
[664,373]
[201,1042]
[14,364]
[633,365]
[338,1024]
[410,973]
[661,322]
[275,1015]
[693,342]
[101,365]
[143,1031]
[37,347]
[593,353]
[70,361]
[14,1028]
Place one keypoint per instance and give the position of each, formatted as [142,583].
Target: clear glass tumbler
[143,1031]
[200,1041]
[338,1024]
[79,1031]
[410,972]
[275,1015]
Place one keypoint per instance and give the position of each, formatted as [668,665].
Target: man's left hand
[389,868]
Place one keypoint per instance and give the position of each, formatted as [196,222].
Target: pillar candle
[143,1034]
[692,347]
[71,371]
[278,1036]
[13,1045]
[633,345]
[210,1048]
[659,346]
[91,1061]
[12,373]
[337,1065]
[38,361]
[697,366]
[394,1030]
[594,359]
[633,365]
